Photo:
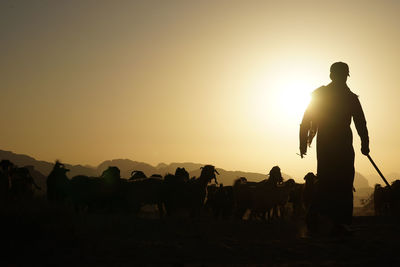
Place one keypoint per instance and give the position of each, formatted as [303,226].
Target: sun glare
[293,96]
[282,96]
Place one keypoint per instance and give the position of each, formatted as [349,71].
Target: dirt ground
[39,234]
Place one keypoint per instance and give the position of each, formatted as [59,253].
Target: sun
[292,96]
[282,95]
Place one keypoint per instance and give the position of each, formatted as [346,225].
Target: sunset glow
[200,132]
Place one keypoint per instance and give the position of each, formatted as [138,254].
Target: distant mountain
[363,189]
[43,166]
[24,160]
[170,168]
[161,165]
[360,181]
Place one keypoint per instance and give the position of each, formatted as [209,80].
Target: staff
[376,168]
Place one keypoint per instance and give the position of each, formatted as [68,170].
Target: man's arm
[308,128]
[361,126]
[303,134]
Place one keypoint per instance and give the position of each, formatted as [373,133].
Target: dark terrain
[37,233]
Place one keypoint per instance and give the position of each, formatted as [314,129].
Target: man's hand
[303,151]
[365,150]
[365,147]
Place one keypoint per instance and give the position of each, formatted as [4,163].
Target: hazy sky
[220,82]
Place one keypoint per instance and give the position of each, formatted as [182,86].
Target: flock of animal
[177,193]
[173,193]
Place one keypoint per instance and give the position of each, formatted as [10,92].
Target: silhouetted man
[329,117]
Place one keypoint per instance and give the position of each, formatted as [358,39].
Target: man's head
[339,72]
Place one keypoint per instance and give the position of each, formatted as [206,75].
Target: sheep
[380,200]
[182,174]
[395,198]
[243,197]
[138,192]
[5,173]
[223,202]
[22,183]
[210,201]
[58,183]
[243,192]
[84,192]
[296,198]
[277,198]
[387,199]
[310,188]
[262,197]
[187,194]
[137,175]
[96,192]
[285,189]
[268,196]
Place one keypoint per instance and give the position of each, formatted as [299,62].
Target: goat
[139,192]
[6,167]
[296,198]
[310,189]
[223,202]
[58,183]
[387,199]
[96,192]
[243,196]
[22,183]
[268,196]
[187,194]
[137,175]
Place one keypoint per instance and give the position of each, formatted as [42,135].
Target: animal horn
[216,171]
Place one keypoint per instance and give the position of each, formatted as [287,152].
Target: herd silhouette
[272,198]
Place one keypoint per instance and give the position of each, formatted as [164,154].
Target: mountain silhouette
[43,166]
[360,181]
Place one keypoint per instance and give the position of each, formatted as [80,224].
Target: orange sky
[221,82]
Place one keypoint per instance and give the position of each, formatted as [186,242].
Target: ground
[38,234]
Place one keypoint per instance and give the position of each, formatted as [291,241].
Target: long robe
[329,116]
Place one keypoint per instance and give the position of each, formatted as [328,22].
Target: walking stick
[376,168]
